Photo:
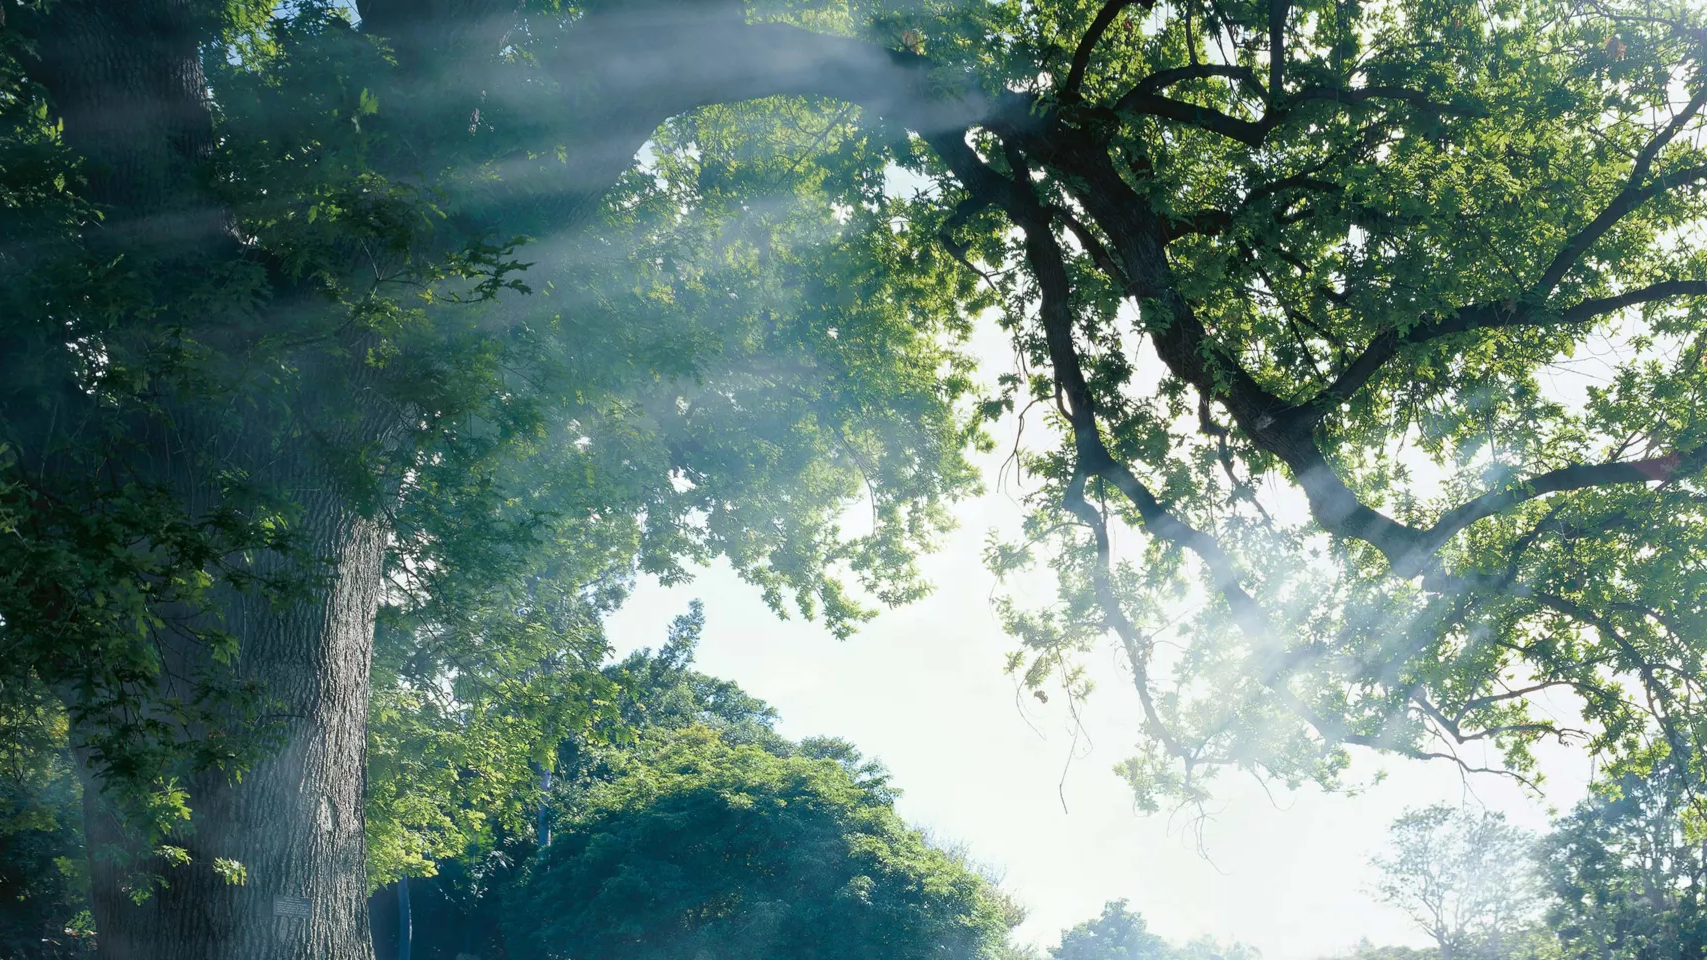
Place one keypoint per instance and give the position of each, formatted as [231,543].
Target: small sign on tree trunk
[300,907]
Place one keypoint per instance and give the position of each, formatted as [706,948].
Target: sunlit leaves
[1417,161]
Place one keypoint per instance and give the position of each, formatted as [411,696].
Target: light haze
[922,689]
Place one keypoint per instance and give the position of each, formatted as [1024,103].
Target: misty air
[853,480]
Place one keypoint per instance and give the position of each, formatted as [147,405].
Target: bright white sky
[922,689]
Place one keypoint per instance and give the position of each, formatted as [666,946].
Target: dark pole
[403,925]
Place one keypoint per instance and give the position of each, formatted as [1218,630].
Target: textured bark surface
[125,78]
[295,820]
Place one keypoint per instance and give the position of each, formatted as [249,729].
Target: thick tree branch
[1278,10]
[1635,194]
[1092,244]
[1142,101]
[1574,477]
[625,71]
[1156,82]
[1626,202]
[1482,316]
[1087,44]
[1273,665]
[1251,133]
[1664,290]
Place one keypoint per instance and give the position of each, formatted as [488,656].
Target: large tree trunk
[125,78]
[294,820]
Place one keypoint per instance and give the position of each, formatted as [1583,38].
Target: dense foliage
[43,876]
[353,362]
[698,847]
[1627,874]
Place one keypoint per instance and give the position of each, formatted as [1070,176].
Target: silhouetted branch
[1087,44]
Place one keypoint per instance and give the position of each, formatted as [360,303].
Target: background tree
[1625,871]
[1366,950]
[1118,934]
[1122,934]
[460,905]
[700,847]
[1466,879]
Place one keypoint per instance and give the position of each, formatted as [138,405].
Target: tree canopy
[353,361]
[702,848]
[1626,872]
[1357,240]
[325,399]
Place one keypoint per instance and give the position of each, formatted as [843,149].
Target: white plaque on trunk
[292,907]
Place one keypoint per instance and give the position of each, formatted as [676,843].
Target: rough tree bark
[125,78]
[295,819]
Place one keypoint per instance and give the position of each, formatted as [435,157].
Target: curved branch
[1626,202]
[1091,243]
[1564,479]
[1162,79]
[1087,44]
[1632,196]
[625,71]
[1483,316]
[1664,290]
[1529,311]
[1253,133]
